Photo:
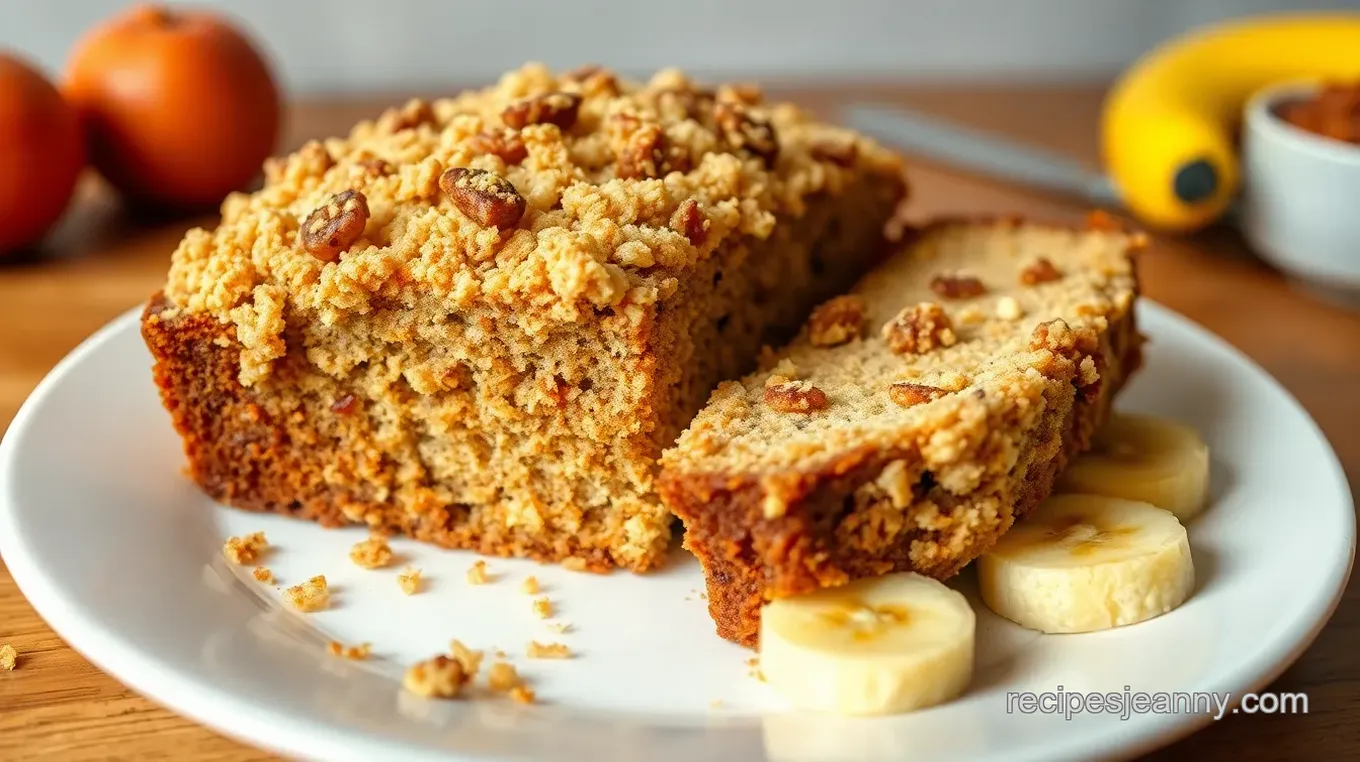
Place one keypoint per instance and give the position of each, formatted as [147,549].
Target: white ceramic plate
[121,555]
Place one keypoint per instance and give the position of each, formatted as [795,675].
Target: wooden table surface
[100,262]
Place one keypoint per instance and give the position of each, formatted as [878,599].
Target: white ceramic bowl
[1299,200]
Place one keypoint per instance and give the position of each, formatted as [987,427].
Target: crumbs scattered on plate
[312,595]
[245,550]
[8,657]
[409,580]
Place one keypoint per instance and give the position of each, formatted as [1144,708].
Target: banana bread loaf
[911,421]
[479,320]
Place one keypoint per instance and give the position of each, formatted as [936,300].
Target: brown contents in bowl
[1334,112]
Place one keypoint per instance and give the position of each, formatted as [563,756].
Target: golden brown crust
[829,515]
[497,363]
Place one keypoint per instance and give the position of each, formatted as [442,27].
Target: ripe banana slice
[877,646]
[1087,562]
[1152,460]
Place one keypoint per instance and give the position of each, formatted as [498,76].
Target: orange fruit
[180,106]
[41,154]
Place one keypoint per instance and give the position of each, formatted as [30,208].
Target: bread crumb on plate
[538,650]
[409,580]
[439,677]
[245,550]
[312,595]
[373,553]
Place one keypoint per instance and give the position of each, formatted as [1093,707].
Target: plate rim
[202,702]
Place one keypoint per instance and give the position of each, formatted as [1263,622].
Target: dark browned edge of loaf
[749,559]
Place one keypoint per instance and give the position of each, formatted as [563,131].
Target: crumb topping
[373,553]
[502,677]
[529,586]
[573,195]
[409,580]
[543,608]
[360,652]
[470,660]
[310,596]
[522,694]
[8,657]
[245,550]
[263,574]
[538,650]
[477,574]
[439,677]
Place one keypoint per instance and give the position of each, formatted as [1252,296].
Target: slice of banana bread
[478,321]
[911,421]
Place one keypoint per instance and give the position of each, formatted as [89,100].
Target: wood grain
[104,260]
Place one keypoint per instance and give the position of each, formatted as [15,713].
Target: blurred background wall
[364,45]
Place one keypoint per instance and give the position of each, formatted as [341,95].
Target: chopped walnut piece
[644,155]
[530,585]
[746,131]
[795,397]
[543,608]
[344,405]
[415,113]
[538,650]
[477,574]
[836,321]
[502,677]
[312,595]
[334,226]
[1039,271]
[503,143]
[373,553]
[551,108]
[8,657]
[842,153]
[353,653]
[374,167]
[908,394]
[409,580]
[440,677]
[483,196]
[954,286]
[919,329]
[522,694]
[690,222]
[261,574]
[470,660]
[245,550]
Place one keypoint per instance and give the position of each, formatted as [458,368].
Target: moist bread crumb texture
[479,320]
[975,375]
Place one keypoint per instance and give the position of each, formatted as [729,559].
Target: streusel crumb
[548,650]
[530,586]
[543,608]
[245,550]
[599,254]
[353,653]
[470,660]
[312,595]
[8,657]
[502,677]
[409,580]
[263,574]
[373,553]
[440,677]
[478,575]
[521,694]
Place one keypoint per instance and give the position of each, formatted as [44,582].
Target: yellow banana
[1168,132]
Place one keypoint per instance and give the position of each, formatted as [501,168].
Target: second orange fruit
[180,106]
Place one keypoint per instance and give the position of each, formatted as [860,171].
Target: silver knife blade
[979,152]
